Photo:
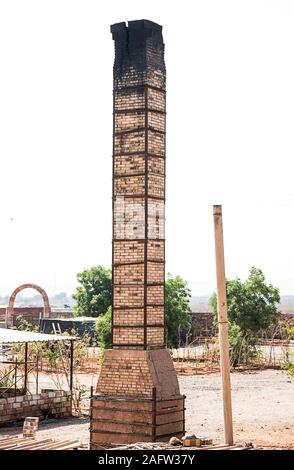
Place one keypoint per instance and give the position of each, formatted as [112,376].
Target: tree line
[252,306]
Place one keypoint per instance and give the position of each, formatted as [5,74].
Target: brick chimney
[137,396]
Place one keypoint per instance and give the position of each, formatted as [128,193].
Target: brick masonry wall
[125,374]
[287,318]
[203,326]
[279,332]
[32,314]
[53,404]
[134,373]
[139,189]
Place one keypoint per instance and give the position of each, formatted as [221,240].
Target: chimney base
[137,399]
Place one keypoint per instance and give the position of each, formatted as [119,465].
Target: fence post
[37,375]
[223,323]
[15,377]
[26,369]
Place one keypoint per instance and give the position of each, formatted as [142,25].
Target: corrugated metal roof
[16,336]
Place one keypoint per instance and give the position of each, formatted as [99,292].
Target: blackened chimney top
[139,52]
[145,27]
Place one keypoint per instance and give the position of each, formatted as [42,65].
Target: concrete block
[16,405]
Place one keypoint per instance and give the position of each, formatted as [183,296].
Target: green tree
[93,296]
[178,312]
[103,329]
[252,304]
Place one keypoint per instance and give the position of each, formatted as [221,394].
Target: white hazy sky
[230,128]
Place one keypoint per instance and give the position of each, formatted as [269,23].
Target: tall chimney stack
[137,396]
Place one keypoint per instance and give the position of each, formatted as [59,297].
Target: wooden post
[223,323]
[37,375]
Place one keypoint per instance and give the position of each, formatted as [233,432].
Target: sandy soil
[263,407]
[263,410]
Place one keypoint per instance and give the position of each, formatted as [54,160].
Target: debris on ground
[29,443]
[167,446]
[174,441]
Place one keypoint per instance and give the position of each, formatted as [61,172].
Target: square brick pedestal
[137,399]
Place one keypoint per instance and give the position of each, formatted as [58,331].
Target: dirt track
[263,410]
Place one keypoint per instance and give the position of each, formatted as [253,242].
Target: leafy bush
[103,330]
[178,311]
[288,365]
[243,348]
[7,377]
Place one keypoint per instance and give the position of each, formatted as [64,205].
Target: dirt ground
[263,410]
[263,407]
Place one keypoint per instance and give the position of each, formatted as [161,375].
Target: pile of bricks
[48,403]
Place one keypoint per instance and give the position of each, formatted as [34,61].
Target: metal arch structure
[10,307]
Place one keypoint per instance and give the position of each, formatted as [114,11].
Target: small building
[81,326]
